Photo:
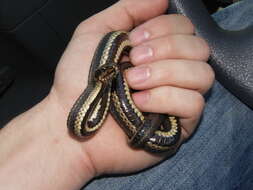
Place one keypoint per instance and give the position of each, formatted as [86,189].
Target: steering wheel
[231,51]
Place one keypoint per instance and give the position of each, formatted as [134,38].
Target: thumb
[123,15]
[73,68]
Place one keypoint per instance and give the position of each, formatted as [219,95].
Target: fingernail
[138,74]
[141,98]
[141,53]
[139,35]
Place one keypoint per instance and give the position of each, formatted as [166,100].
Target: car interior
[33,36]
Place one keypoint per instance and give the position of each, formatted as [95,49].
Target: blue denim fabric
[220,154]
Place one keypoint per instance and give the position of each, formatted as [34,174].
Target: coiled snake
[108,91]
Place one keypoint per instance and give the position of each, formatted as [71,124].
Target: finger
[186,104]
[123,15]
[161,26]
[194,75]
[171,47]
[170,100]
[188,126]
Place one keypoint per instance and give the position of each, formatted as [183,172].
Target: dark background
[33,35]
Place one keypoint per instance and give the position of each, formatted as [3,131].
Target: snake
[107,92]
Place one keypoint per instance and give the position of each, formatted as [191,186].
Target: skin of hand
[170,71]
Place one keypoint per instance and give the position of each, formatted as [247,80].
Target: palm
[109,148]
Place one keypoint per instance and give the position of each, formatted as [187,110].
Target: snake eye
[106,72]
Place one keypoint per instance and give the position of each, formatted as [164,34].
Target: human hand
[178,77]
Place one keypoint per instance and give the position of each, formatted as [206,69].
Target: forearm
[33,155]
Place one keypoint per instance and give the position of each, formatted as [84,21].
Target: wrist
[37,150]
[69,150]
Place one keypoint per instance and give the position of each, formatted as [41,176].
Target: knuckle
[210,75]
[198,104]
[207,76]
[126,14]
[178,19]
[204,52]
[187,22]
[80,29]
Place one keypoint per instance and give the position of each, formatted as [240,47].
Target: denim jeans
[220,154]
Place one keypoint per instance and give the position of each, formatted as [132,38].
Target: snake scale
[108,91]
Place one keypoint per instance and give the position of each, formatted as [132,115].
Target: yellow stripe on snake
[108,92]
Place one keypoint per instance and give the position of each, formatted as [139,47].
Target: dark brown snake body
[108,91]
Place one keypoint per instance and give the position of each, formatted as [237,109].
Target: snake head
[106,72]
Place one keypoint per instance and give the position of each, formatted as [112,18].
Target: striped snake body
[108,91]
